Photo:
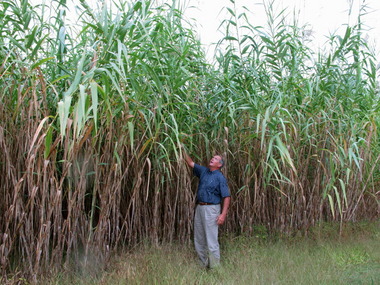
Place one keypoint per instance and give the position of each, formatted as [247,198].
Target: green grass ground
[322,258]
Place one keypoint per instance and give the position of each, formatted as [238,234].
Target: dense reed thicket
[92,117]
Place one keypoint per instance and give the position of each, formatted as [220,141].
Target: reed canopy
[92,117]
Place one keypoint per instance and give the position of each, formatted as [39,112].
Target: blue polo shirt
[212,185]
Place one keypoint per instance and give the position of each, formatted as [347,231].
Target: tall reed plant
[93,116]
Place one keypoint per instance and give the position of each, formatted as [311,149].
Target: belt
[204,204]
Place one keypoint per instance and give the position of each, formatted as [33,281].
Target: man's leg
[211,229]
[200,241]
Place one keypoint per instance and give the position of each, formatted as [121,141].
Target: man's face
[215,161]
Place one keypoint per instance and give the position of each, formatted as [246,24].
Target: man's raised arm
[187,158]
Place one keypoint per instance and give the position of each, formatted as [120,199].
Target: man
[212,192]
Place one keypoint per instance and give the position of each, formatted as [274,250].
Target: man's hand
[187,158]
[220,220]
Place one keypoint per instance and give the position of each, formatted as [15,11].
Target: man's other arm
[223,215]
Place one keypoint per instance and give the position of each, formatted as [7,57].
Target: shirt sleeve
[224,190]
[197,170]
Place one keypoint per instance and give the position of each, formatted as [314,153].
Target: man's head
[216,162]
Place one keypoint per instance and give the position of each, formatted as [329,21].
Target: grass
[322,258]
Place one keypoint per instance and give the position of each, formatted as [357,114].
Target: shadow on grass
[362,274]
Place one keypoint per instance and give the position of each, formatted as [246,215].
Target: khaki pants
[206,234]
